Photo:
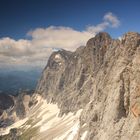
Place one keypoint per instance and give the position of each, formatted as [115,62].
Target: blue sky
[30,29]
[17,17]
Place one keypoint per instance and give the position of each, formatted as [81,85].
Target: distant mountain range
[13,81]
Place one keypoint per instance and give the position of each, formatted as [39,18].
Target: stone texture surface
[102,78]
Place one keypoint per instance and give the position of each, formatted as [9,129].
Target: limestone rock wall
[102,78]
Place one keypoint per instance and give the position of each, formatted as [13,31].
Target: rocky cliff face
[103,79]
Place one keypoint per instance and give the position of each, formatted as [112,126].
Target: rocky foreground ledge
[103,80]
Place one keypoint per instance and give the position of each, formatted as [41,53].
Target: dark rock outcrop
[6,102]
[13,108]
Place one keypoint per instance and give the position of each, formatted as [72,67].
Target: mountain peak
[131,34]
[131,39]
[100,39]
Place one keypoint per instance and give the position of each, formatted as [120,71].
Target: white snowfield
[15,125]
[44,117]
[57,56]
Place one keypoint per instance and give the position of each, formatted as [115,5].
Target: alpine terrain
[90,94]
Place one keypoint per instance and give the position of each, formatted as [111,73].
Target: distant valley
[11,82]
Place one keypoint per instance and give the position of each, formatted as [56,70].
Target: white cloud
[109,20]
[112,19]
[10,47]
[35,52]
[98,28]
[59,37]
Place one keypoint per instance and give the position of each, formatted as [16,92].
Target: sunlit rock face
[97,87]
[101,78]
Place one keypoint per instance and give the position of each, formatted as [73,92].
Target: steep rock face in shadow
[5,102]
[14,108]
[103,79]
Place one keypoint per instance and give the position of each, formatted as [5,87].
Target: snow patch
[120,38]
[84,135]
[74,131]
[15,125]
[45,116]
[57,56]
[74,125]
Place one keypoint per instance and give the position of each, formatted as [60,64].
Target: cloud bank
[35,52]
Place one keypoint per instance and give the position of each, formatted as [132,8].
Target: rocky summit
[90,94]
